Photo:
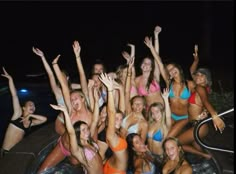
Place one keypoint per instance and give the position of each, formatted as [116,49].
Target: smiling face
[84,132]
[138,145]
[200,79]
[146,65]
[137,104]
[172,150]
[29,107]
[118,120]
[172,70]
[156,113]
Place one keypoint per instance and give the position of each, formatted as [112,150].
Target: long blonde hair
[163,117]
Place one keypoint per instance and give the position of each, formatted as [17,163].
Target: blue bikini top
[184,95]
[157,136]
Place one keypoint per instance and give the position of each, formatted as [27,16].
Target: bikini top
[61,101]
[89,153]
[192,100]
[131,129]
[18,123]
[157,136]
[184,95]
[152,171]
[154,87]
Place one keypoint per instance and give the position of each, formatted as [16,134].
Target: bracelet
[54,63]
[214,117]
[129,74]
[110,90]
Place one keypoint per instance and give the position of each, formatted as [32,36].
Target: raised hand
[148,41]
[195,54]
[127,56]
[76,48]
[157,30]
[90,83]
[59,107]
[165,93]
[107,81]
[56,59]
[6,74]
[38,52]
[132,53]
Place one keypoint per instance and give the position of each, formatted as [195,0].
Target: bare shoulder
[186,169]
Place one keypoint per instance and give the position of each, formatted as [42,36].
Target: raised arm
[157,30]
[120,88]
[82,76]
[93,127]
[127,57]
[158,60]
[69,127]
[111,135]
[194,65]
[36,119]
[63,82]
[165,96]
[49,71]
[128,108]
[17,111]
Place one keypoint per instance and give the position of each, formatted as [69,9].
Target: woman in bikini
[179,94]
[78,109]
[198,102]
[148,84]
[135,121]
[82,141]
[56,89]
[117,163]
[159,126]
[22,120]
[175,162]
[140,158]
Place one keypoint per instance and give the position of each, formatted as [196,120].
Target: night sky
[104,28]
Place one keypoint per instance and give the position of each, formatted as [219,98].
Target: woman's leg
[53,158]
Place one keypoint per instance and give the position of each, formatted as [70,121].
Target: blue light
[24,90]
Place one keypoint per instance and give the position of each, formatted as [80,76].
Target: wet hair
[181,152]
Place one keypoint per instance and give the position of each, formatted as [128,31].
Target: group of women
[122,123]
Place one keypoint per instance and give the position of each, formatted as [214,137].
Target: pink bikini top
[89,153]
[154,87]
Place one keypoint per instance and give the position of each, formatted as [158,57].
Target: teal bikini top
[157,136]
[184,95]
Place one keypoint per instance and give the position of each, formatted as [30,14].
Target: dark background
[103,30]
